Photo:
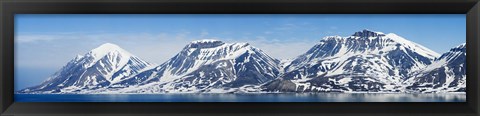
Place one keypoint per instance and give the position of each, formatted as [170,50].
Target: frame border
[11,7]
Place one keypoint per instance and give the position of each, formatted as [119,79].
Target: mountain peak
[459,48]
[107,48]
[463,45]
[206,43]
[367,33]
[78,57]
[108,45]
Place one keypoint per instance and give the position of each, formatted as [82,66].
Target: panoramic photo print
[240,58]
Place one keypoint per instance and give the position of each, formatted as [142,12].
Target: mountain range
[366,61]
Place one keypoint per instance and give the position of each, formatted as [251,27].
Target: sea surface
[229,97]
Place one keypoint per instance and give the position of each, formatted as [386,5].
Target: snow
[94,68]
[414,46]
[344,81]
[107,48]
[376,64]
[187,63]
[449,56]
[116,58]
[435,65]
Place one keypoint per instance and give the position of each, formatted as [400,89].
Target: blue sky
[44,43]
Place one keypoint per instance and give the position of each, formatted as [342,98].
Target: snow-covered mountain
[98,68]
[365,61]
[205,65]
[446,74]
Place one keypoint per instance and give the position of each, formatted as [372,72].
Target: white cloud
[35,38]
[284,50]
[277,48]
[285,27]
[204,34]
[56,50]
[268,32]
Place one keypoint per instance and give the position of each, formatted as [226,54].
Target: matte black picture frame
[11,7]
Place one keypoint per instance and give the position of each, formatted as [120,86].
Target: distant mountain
[366,61]
[446,74]
[96,69]
[208,64]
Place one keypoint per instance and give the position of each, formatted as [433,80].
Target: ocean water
[263,97]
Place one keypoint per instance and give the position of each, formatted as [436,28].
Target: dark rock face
[205,44]
[357,84]
[280,85]
[367,33]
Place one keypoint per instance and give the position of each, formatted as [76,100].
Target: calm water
[265,97]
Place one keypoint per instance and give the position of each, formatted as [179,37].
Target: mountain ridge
[366,61]
[206,64]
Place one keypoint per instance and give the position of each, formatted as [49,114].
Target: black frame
[11,7]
